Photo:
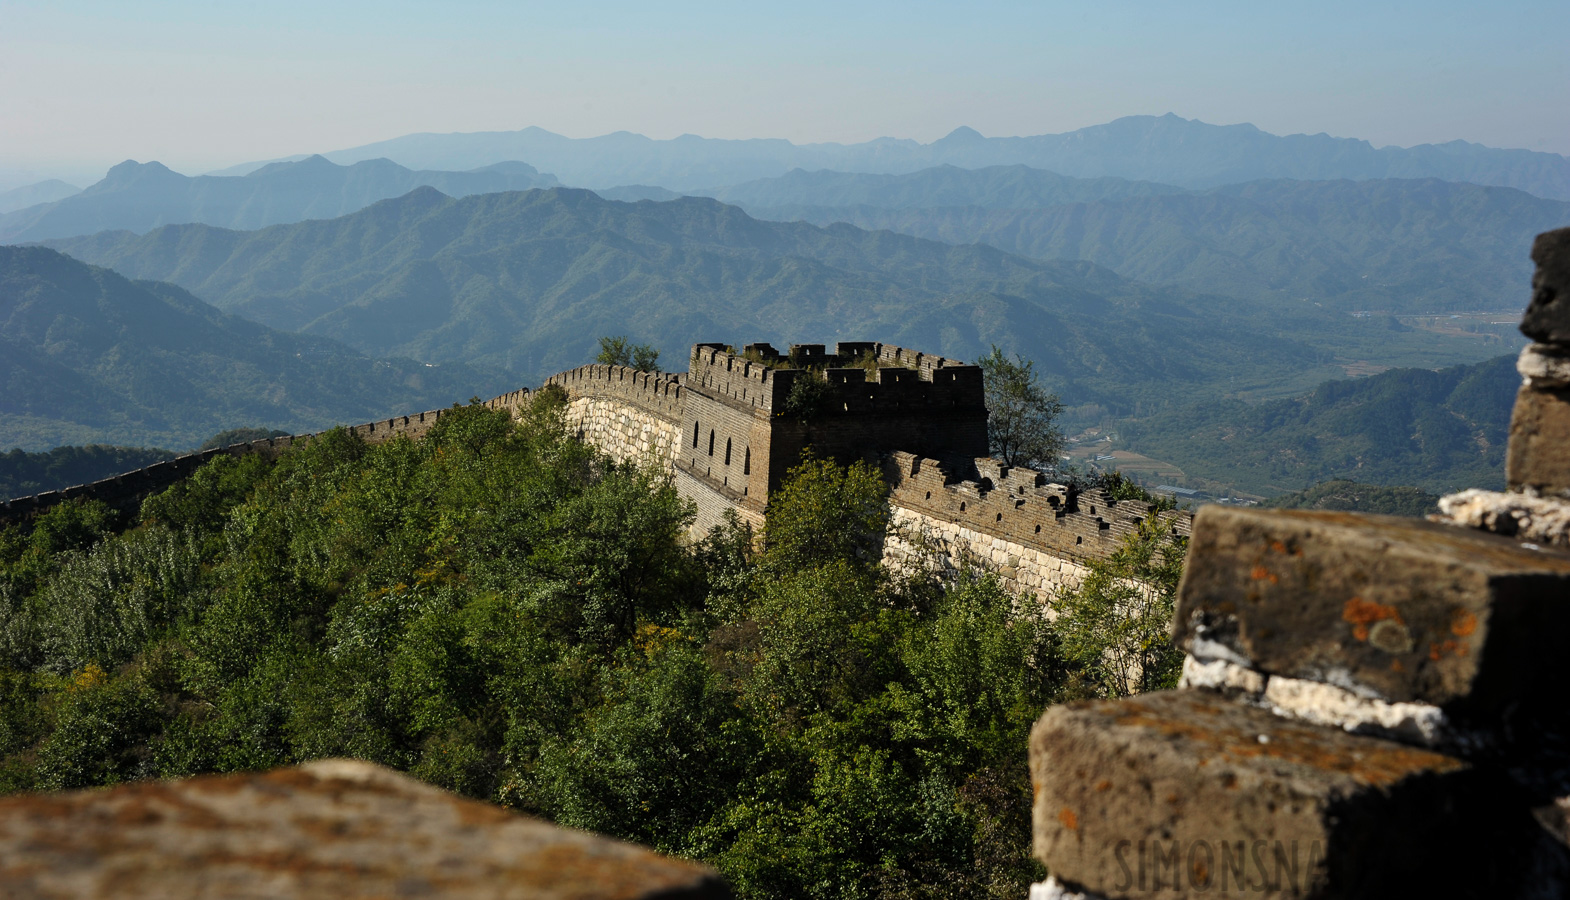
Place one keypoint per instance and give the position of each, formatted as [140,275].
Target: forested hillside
[501,611]
[1441,431]
[1357,497]
[87,356]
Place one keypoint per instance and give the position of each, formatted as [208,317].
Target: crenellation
[1018,505]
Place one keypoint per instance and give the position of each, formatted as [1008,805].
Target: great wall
[722,432]
[1371,707]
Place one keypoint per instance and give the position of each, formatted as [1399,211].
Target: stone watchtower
[742,431]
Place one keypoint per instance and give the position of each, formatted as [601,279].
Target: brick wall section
[625,433]
[915,538]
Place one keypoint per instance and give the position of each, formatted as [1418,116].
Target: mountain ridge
[1167,149]
[89,356]
[139,197]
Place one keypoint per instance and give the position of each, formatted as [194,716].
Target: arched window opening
[711,442]
[694,434]
[727,451]
[746,462]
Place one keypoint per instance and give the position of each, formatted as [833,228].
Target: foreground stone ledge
[335,828]
[1538,457]
[1187,793]
[1393,609]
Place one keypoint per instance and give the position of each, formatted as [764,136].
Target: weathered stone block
[1388,608]
[1186,793]
[1547,318]
[335,828]
[1539,452]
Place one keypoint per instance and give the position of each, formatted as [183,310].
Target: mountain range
[528,280]
[1166,149]
[89,356]
[142,196]
[1395,245]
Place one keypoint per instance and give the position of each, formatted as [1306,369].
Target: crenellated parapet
[1020,505]
[864,378]
[660,393]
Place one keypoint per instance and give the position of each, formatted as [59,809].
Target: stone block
[335,828]
[1539,452]
[1186,793]
[1547,318]
[1393,609]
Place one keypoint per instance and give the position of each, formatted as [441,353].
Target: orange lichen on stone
[1462,623]
[1069,820]
[1364,613]
[1261,573]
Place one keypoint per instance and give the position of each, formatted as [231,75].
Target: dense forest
[500,610]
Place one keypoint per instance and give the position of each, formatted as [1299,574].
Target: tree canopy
[1022,426]
[500,610]
[619,351]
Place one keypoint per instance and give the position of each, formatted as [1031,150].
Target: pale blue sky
[199,85]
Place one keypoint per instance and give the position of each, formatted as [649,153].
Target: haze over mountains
[1401,245]
[142,196]
[34,194]
[88,356]
[528,280]
[1166,149]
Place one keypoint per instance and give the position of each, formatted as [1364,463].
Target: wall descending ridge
[729,429]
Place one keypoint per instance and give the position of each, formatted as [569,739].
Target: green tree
[619,351]
[1116,626]
[1022,426]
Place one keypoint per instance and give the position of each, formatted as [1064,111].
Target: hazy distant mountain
[34,194]
[87,356]
[1388,244]
[1165,149]
[632,193]
[142,196]
[529,280]
[993,187]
